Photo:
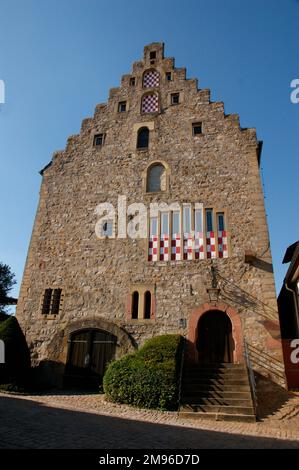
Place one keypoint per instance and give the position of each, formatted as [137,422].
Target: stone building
[288,308]
[203,268]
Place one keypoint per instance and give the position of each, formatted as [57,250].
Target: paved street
[44,423]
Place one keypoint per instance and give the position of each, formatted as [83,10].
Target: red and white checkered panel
[199,246]
[222,244]
[153,248]
[164,248]
[176,254]
[211,244]
[151,79]
[188,246]
[150,103]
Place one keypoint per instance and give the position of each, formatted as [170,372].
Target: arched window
[135,303]
[151,79]
[147,305]
[143,138]
[150,103]
[156,178]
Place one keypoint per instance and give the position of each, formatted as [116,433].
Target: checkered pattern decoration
[198,245]
[153,248]
[176,247]
[188,245]
[164,248]
[151,79]
[222,244]
[150,103]
[211,245]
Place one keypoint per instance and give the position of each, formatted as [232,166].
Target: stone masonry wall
[218,168]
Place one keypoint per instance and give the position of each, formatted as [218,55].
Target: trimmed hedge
[17,357]
[3,316]
[149,377]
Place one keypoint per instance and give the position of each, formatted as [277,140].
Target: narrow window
[198,221]
[164,223]
[156,178]
[147,305]
[187,220]
[98,140]
[220,221]
[209,220]
[153,226]
[153,55]
[122,107]
[143,138]
[168,76]
[176,229]
[198,235]
[164,237]
[135,303]
[221,235]
[47,302]
[197,128]
[56,297]
[132,81]
[176,248]
[175,98]
[153,254]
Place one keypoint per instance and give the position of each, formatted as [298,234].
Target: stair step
[222,365]
[245,395]
[243,410]
[217,416]
[209,373]
[217,401]
[200,388]
[203,380]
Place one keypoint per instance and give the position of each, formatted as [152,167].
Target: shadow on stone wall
[266,364]
[270,396]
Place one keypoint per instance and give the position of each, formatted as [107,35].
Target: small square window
[168,76]
[153,55]
[122,107]
[197,128]
[132,81]
[175,98]
[98,140]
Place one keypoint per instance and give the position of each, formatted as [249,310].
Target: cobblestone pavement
[87,421]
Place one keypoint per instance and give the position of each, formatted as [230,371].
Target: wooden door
[215,342]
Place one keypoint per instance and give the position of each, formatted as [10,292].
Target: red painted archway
[236,329]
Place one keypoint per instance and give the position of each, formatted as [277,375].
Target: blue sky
[59,58]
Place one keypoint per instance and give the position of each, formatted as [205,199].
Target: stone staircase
[216,391]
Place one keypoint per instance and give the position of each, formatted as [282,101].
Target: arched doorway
[89,352]
[215,342]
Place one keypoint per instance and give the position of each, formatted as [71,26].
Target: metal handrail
[181,374]
[251,376]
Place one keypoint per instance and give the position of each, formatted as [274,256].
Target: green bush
[149,377]
[3,316]
[17,357]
